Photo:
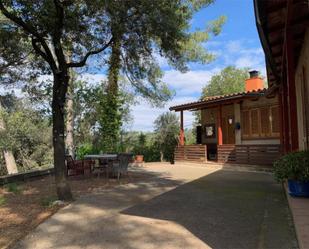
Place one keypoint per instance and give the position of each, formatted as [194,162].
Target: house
[239,128]
[283,27]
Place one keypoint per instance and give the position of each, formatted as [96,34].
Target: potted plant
[294,167]
[139,157]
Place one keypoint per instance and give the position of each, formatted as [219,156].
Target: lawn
[25,205]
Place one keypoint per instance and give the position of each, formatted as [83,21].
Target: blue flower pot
[298,188]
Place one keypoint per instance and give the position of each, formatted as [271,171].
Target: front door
[228,130]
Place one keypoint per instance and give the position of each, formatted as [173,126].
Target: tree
[31,149]
[229,80]
[166,129]
[13,55]
[85,29]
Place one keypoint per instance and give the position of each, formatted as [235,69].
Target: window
[262,122]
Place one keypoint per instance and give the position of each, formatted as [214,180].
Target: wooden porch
[239,154]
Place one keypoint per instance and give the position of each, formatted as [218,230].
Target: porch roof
[273,20]
[217,100]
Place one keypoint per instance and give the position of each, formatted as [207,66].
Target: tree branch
[43,54]
[19,21]
[84,60]
[58,28]
[36,36]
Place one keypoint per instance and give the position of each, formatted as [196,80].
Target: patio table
[109,157]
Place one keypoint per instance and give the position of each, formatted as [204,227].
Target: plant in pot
[139,157]
[294,167]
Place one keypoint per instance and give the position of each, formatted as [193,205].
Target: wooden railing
[249,154]
[195,153]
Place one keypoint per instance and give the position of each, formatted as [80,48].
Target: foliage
[190,136]
[294,166]
[229,80]
[167,129]
[85,149]
[151,153]
[139,148]
[27,133]
[157,28]
[100,117]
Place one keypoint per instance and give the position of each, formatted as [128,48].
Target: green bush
[85,149]
[294,166]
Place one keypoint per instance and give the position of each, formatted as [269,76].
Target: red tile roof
[215,99]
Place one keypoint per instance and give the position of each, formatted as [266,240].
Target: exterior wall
[237,117]
[261,141]
[209,116]
[260,102]
[299,81]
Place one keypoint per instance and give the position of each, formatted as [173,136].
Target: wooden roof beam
[281,26]
[282,5]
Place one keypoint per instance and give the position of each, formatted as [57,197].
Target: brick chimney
[255,82]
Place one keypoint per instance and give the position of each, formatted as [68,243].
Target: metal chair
[103,167]
[78,167]
[120,167]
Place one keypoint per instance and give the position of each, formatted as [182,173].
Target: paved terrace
[180,206]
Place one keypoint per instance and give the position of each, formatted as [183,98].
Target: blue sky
[238,45]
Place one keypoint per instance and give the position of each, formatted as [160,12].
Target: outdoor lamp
[230,120]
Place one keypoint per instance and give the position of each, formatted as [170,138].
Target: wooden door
[228,130]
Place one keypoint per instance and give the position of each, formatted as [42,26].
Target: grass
[2,200]
[13,188]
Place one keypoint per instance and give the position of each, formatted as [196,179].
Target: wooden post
[219,125]
[291,90]
[181,133]
[285,114]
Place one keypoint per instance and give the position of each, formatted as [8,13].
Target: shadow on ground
[223,209]
[227,210]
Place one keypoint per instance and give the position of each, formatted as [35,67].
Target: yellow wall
[303,62]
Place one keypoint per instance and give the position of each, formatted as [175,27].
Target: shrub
[294,166]
[85,149]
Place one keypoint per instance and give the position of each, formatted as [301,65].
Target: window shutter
[254,123]
[265,122]
[245,124]
[275,121]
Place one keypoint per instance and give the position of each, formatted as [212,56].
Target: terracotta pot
[139,158]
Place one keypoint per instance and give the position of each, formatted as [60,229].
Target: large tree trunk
[69,140]
[9,159]
[10,162]
[58,102]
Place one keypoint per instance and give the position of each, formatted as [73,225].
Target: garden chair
[103,167]
[120,167]
[77,167]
